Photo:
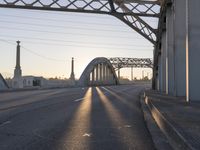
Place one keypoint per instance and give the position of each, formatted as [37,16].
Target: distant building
[3,83]
[32,81]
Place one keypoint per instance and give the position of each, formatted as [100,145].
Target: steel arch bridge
[98,72]
[101,70]
[131,12]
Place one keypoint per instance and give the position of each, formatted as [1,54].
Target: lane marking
[80,99]
[127,126]
[4,123]
[87,134]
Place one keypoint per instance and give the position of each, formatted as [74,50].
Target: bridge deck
[107,118]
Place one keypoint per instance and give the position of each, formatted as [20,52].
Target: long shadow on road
[103,120]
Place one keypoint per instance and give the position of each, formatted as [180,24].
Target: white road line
[4,123]
[80,99]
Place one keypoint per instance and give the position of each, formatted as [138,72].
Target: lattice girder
[120,62]
[128,11]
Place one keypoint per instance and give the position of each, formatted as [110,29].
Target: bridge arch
[99,72]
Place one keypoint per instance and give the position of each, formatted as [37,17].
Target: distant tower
[72,76]
[17,81]
[18,71]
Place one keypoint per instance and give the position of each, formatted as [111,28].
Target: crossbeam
[128,11]
[120,62]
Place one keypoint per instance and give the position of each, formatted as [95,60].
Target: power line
[153,21]
[56,20]
[11,43]
[62,27]
[69,41]
[32,52]
[67,45]
[42,56]
[70,33]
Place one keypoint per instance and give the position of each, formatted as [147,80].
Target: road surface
[97,118]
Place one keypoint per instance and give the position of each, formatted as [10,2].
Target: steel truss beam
[119,62]
[128,11]
[157,46]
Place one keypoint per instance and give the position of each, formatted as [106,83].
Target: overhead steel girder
[157,46]
[128,11]
[120,62]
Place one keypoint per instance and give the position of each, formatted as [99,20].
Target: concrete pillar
[100,73]
[193,49]
[93,77]
[157,81]
[159,74]
[104,73]
[118,73]
[17,81]
[163,61]
[109,75]
[72,76]
[180,47]
[170,60]
[97,74]
[131,73]
[18,71]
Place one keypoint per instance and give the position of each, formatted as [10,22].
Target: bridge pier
[178,72]
[170,62]
[193,49]
[159,74]
[163,63]
[179,47]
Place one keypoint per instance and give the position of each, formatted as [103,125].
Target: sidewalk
[177,119]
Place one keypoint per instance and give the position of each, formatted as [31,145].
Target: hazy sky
[49,40]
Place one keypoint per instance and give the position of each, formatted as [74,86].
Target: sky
[50,39]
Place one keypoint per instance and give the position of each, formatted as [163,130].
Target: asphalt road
[98,118]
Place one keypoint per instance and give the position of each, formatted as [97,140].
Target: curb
[176,140]
[159,140]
